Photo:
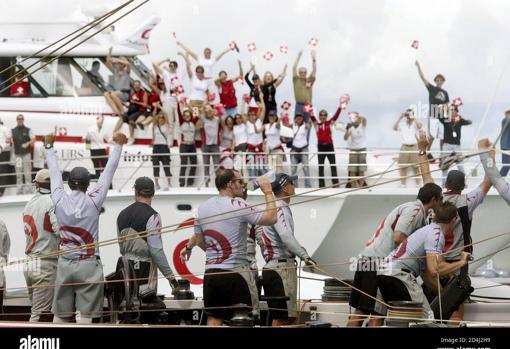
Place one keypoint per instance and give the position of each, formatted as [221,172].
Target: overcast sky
[364,47]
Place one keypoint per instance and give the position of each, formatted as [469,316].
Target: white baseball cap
[42,176]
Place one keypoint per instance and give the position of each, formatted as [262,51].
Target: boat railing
[381,165]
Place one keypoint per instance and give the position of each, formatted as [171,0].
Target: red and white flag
[62,131]
[174,79]
[220,109]
[246,98]
[286,105]
[457,102]
[415,44]
[313,42]
[284,49]
[344,101]
[307,107]
[252,47]
[268,55]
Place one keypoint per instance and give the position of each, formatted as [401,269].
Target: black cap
[455,180]
[280,180]
[144,186]
[79,175]
[255,77]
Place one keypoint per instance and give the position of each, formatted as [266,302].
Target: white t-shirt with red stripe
[279,239]
[406,218]
[411,253]
[223,221]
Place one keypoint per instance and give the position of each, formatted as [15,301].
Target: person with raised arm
[303,84]
[227,90]
[78,216]
[325,147]
[438,106]
[121,84]
[207,61]
[199,87]
[466,205]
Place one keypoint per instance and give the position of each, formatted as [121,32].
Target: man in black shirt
[438,105]
[144,253]
[452,134]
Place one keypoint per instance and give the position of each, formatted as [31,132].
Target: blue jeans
[505,159]
[231,112]
[297,158]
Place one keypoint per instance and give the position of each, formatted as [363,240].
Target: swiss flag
[344,101]
[268,56]
[307,107]
[174,79]
[415,44]
[457,102]
[313,42]
[220,110]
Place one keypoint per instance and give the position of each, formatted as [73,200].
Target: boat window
[12,84]
[62,78]
[96,72]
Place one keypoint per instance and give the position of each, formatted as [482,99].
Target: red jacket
[324,128]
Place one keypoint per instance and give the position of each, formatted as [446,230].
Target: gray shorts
[87,297]
[279,278]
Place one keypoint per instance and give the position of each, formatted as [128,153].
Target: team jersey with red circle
[223,222]
[78,212]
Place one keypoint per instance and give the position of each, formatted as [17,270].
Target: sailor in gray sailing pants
[145,253]
[279,276]
[421,252]
[398,225]
[41,233]
[221,231]
[466,205]
[78,215]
